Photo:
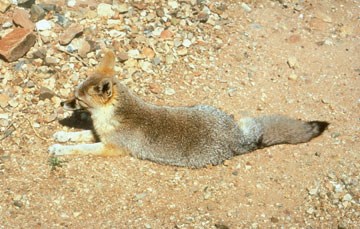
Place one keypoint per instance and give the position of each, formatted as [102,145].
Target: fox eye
[97,89]
[94,90]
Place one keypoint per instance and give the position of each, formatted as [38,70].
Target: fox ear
[105,87]
[107,64]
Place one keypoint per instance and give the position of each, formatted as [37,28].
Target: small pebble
[293,76]
[186,43]
[18,203]
[105,10]
[245,7]
[347,197]
[123,56]
[292,62]
[7,24]
[169,91]
[43,25]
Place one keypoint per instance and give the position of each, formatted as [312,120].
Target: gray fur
[194,136]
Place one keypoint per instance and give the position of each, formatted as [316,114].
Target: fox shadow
[78,119]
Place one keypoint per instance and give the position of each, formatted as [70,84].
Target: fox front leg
[85,149]
[98,148]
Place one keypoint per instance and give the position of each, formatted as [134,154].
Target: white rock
[169,59]
[105,10]
[93,62]
[52,60]
[338,188]
[347,197]
[47,33]
[245,7]
[169,91]
[173,4]
[4,116]
[133,53]
[313,191]
[293,76]
[113,22]
[71,3]
[122,8]
[157,31]
[13,103]
[292,62]
[328,42]
[146,67]
[182,51]
[186,43]
[74,45]
[143,13]
[43,25]
[116,33]
[310,210]
[7,25]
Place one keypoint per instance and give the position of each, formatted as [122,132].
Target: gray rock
[123,56]
[156,61]
[25,3]
[70,33]
[48,7]
[18,203]
[36,13]
[62,20]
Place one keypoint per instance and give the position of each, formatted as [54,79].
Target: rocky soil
[296,58]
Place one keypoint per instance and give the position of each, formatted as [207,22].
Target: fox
[193,136]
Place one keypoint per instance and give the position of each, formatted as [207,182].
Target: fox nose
[62,103]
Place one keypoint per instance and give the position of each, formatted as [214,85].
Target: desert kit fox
[184,136]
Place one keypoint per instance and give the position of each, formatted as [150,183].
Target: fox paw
[62,136]
[58,150]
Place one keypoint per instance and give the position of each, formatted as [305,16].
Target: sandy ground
[300,60]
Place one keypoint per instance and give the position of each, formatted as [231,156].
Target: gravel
[292,58]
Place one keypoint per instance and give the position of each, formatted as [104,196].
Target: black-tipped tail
[319,127]
[283,130]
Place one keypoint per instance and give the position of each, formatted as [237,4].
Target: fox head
[96,91]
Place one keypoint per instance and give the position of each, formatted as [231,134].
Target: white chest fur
[104,119]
